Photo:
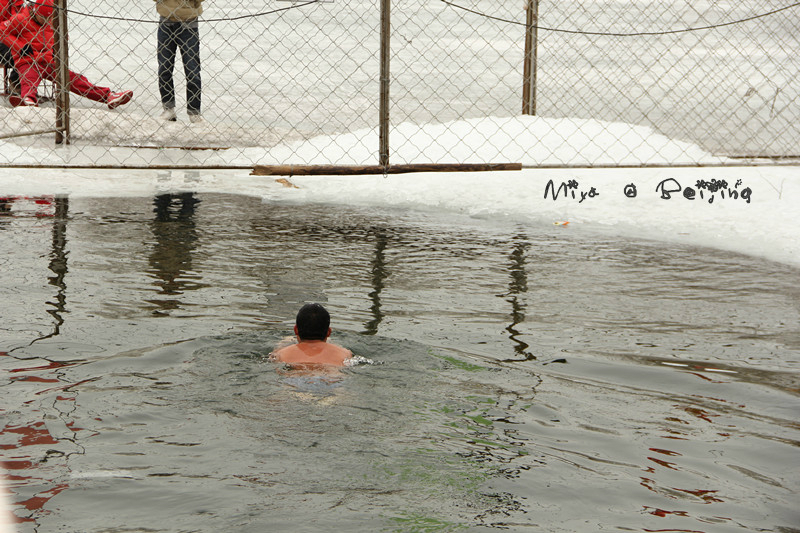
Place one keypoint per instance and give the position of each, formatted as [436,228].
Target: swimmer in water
[312,329]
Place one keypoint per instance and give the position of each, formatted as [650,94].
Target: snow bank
[752,210]
[528,140]
[136,139]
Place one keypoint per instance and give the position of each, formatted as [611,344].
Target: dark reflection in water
[58,264]
[176,238]
[516,287]
[57,210]
[379,274]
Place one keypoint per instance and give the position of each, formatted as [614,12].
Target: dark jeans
[171,37]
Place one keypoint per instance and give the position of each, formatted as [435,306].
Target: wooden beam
[319,170]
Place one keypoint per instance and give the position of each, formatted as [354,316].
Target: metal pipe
[530,58]
[383,154]
[27,133]
[61,57]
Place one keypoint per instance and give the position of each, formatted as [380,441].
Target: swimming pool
[524,377]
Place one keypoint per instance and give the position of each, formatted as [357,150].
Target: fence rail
[641,82]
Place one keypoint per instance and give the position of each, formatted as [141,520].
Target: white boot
[168,114]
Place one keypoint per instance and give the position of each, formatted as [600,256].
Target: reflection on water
[57,209]
[58,264]
[175,236]
[379,275]
[28,473]
[517,286]
[529,378]
[22,471]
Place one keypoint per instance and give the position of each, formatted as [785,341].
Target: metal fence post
[61,59]
[529,70]
[384,96]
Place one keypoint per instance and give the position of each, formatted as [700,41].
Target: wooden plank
[338,170]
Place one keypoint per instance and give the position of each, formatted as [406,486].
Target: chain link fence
[638,82]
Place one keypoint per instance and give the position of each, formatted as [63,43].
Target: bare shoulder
[335,354]
[338,349]
[312,353]
[286,353]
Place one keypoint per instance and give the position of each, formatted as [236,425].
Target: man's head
[312,323]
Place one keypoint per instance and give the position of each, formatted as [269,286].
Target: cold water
[517,376]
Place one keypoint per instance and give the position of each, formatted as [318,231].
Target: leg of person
[166,49]
[190,54]
[13,80]
[80,85]
[30,76]
[7,61]
[5,56]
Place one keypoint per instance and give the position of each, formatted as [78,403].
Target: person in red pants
[29,36]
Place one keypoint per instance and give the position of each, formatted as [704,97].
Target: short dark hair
[313,322]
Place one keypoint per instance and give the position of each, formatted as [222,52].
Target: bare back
[313,352]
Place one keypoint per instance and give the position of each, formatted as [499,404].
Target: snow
[753,210]
[528,140]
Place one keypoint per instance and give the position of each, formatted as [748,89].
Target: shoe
[17,101]
[168,114]
[118,99]
[196,119]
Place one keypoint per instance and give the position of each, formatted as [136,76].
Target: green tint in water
[463,365]
[424,524]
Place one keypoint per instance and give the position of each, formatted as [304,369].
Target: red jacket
[29,42]
[8,8]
